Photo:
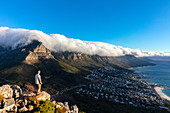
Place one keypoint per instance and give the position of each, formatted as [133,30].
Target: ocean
[159,74]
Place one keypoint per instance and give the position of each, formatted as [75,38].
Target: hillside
[62,71]
[67,68]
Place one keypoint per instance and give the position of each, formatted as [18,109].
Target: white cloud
[55,42]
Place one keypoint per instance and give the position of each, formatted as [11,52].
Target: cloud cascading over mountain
[14,38]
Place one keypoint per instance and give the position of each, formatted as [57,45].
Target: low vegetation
[47,107]
[44,107]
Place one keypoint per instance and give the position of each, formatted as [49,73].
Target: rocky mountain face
[39,53]
[59,69]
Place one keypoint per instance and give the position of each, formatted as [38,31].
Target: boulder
[63,105]
[29,94]
[66,106]
[6,91]
[74,109]
[54,102]
[15,109]
[9,104]
[17,91]
[10,91]
[3,111]
[23,109]
[43,96]
[59,105]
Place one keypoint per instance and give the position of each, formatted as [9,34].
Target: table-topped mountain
[21,64]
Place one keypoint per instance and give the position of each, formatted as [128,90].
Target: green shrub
[44,107]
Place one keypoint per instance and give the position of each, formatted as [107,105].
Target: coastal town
[122,86]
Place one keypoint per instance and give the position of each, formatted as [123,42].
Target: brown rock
[43,96]
[40,52]
[10,91]
[6,91]
[3,111]
[29,94]
[74,109]
[8,104]
[23,109]
[17,91]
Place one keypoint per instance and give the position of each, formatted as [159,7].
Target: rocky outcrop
[72,109]
[29,94]
[3,111]
[23,109]
[43,96]
[15,101]
[6,91]
[9,104]
[17,91]
[10,91]
[39,53]
[77,56]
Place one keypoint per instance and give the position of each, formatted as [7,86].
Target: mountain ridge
[19,64]
[59,70]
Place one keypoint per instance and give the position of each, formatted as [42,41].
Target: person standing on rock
[38,81]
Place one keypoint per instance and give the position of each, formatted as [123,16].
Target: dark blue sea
[159,74]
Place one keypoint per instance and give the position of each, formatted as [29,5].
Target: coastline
[158,89]
[160,93]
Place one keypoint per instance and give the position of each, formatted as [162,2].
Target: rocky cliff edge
[12,99]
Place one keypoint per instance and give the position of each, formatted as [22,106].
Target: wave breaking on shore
[160,93]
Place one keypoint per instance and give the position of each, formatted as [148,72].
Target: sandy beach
[161,94]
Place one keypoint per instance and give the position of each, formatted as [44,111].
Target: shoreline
[158,89]
[160,93]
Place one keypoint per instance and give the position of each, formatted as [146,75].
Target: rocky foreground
[12,99]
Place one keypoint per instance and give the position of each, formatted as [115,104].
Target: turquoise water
[159,74]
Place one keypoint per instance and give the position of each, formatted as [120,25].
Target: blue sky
[143,24]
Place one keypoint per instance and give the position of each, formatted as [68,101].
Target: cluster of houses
[121,86]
